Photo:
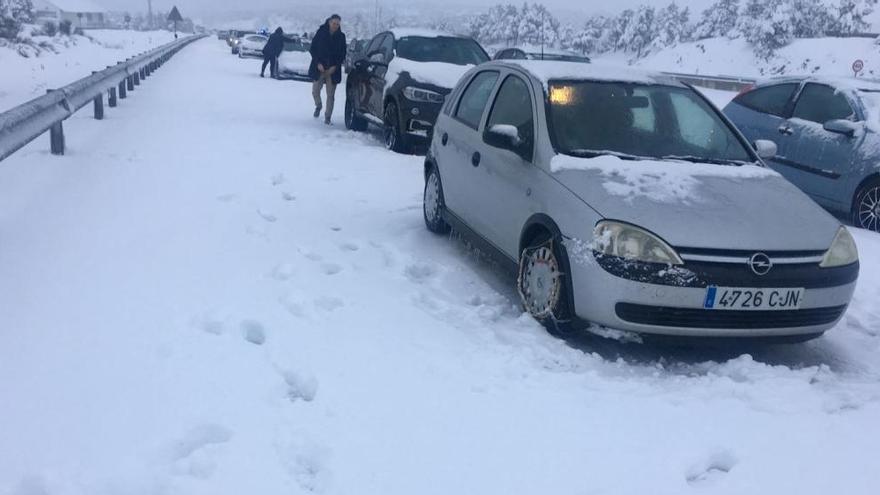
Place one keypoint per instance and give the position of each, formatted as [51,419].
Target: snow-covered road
[213,293]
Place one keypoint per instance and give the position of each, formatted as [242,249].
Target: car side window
[387,47]
[820,103]
[770,99]
[513,106]
[473,100]
[374,44]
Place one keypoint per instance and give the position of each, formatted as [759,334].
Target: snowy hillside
[722,56]
[64,59]
[243,300]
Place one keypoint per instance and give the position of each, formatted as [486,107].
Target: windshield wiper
[702,159]
[584,153]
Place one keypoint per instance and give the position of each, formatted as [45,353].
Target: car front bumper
[250,52]
[418,118]
[670,309]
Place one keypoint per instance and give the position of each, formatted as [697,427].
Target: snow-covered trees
[511,25]
[850,16]
[718,20]
[14,13]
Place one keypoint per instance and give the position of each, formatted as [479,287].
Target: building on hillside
[82,14]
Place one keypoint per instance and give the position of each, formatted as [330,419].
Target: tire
[395,140]
[542,286]
[352,121]
[433,203]
[866,206]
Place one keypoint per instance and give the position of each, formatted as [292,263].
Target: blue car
[828,137]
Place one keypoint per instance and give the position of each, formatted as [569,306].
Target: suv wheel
[542,286]
[432,204]
[866,207]
[352,121]
[395,140]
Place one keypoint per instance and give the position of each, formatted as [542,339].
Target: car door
[378,68]
[760,114]
[505,176]
[459,140]
[363,74]
[817,159]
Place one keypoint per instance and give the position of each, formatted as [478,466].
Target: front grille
[719,319]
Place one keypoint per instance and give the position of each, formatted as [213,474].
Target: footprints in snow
[253,332]
[194,454]
[712,469]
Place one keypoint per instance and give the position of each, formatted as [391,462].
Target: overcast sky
[196,8]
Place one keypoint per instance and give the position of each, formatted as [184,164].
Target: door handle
[444,139]
[475,159]
[784,129]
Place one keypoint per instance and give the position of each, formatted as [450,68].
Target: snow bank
[67,59]
[437,73]
[660,181]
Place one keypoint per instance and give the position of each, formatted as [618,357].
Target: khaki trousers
[326,78]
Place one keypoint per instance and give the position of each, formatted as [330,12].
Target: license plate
[753,299]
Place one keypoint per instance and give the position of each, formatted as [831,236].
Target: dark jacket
[275,44]
[329,50]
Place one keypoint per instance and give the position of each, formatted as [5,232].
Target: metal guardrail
[723,83]
[24,123]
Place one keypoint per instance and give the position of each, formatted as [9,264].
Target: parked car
[235,38]
[546,54]
[355,52]
[295,59]
[251,46]
[828,132]
[222,35]
[402,80]
[627,200]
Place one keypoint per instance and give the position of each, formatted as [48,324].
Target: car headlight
[632,243]
[424,95]
[843,250]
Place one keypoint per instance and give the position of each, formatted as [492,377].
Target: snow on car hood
[439,74]
[295,61]
[739,207]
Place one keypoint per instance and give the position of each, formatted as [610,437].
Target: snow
[228,297]
[294,61]
[84,6]
[439,74]
[659,181]
[75,57]
[545,71]
[403,32]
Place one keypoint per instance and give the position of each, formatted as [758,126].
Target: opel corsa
[627,200]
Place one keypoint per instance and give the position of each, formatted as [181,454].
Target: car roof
[547,70]
[425,33]
[856,83]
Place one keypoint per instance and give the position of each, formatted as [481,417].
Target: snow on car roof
[425,33]
[852,83]
[545,70]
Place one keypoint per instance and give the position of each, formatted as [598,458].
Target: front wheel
[866,206]
[432,204]
[352,121]
[395,140]
[542,285]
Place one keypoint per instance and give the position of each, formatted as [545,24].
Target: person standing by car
[328,54]
[271,52]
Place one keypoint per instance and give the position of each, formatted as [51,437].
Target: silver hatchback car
[627,200]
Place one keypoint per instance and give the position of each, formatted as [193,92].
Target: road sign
[857,66]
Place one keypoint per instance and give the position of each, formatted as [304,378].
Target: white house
[81,13]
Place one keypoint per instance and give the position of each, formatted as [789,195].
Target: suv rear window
[769,99]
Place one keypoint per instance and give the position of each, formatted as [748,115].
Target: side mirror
[503,136]
[766,149]
[840,126]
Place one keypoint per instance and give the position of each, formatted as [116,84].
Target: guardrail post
[136,78]
[147,69]
[143,73]
[111,97]
[56,135]
[99,106]
[129,82]
[122,94]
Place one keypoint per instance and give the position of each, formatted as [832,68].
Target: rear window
[769,99]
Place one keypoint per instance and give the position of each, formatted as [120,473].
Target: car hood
[699,205]
[438,74]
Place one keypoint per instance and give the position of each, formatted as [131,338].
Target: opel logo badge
[760,263]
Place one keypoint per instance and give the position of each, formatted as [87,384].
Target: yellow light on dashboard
[561,95]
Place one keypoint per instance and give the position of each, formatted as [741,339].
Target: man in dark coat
[328,54]
[271,52]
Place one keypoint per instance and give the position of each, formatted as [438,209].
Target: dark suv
[401,81]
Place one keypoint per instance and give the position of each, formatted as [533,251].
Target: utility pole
[150,14]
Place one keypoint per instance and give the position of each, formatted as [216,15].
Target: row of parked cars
[627,199]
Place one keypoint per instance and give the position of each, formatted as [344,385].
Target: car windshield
[294,46]
[591,118]
[459,51]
